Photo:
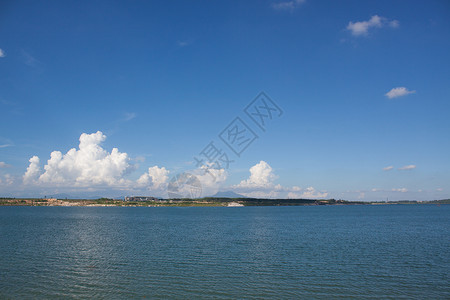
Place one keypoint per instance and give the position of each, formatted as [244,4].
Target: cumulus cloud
[2,53]
[260,185]
[388,168]
[93,168]
[288,5]
[155,178]
[89,165]
[401,190]
[362,28]
[33,170]
[398,92]
[210,178]
[261,175]
[408,167]
[312,193]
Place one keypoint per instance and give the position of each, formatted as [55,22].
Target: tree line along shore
[207,201]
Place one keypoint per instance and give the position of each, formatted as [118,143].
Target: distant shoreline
[203,202]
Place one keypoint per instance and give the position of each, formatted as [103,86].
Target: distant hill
[227,194]
[81,196]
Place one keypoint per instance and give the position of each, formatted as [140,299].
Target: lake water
[388,251]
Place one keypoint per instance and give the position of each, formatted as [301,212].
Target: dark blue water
[396,251]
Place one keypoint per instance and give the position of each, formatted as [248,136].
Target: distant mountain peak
[228,194]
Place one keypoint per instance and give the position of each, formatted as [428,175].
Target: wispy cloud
[362,28]
[11,107]
[183,43]
[5,142]
[30,60]
[130,116]
[408,167]
[398,92]
[2,53]
[388,168]
[288,5]
[401,190]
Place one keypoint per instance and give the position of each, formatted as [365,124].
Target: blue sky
[363,85]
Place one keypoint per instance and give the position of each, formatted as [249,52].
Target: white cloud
[388,168]
[211,179]
[312,193]
[2,53]
[260,185]
[261,175]
[33,171]
[394,24]
[308,193]
[4,142]
[89,165]
[439,189]
[401,190]
[362,28]
[3,165]
[8,180]
[93,168]
[398,92]
[155,178]
[288,5]
[408,167]
[292,195]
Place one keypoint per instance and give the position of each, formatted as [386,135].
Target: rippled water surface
[396,251]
